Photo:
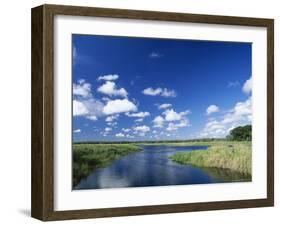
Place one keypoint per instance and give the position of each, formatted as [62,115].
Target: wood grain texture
[270,111]
[37,158]
[43,107]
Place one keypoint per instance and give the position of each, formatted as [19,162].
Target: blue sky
[153,89]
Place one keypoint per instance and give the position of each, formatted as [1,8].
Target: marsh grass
[88,157]
[236,156]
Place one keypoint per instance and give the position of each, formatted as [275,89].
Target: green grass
[233,155]
[88,157]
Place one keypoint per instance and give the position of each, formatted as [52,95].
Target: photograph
[159,112]
[138,112]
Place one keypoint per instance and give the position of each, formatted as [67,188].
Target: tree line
[240,133]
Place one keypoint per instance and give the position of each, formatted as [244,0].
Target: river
[153,167]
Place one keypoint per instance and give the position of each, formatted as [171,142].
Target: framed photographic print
[141,112]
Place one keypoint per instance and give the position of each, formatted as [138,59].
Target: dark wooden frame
[42,203]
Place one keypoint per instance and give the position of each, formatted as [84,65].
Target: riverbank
[87,157]
[233,155]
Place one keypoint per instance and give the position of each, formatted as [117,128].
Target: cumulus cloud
[152,92]
[175,126]
[92,117]
[247,87]
[109,88]
[240,114]
[77,131]
[171,115]
[82,88]
[108,77]
[212,109]
[119,106]
[159,92]
[111,118]
[139,120]
[79,108]
[113,124]
[164,106]
[242,111]
[142,129]
[84,104]
[168,93]
[126,130]
[158,121]
[119,135]
[104,133]
[172,120]
[129,136]
[90,108]
[107,129]
[138,114]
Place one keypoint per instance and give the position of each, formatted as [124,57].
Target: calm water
[152,167]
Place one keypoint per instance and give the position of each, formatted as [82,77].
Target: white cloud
[77,131]
[92,117]
[105,99]
[171,127]
[111,118]
[109,88]
[104,133]
[142,129]
[242,111]
[171,115]
[158,121]
[139,120]
[79,108]
[126,130]
[214,129]
[159,91]
[247,87]
[152,92]
[168,93]
[212,109]
[84,103]
[108,77]
[90,108]
[240,114]
[107,129]
[82,88]
[129,136]
[164,106]
[174,119]
[138,115]
[112,124]
[119,106]
[119,135]
[175,126]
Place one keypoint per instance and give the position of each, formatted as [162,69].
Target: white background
[15,112]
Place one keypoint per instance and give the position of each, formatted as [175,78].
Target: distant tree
[241,133]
